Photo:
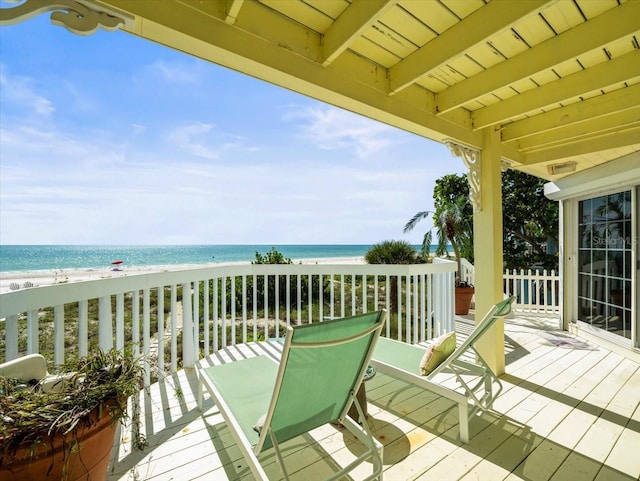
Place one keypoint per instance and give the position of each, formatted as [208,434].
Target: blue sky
[111,139]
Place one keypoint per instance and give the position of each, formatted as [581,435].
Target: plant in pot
[454,226]
[63,427]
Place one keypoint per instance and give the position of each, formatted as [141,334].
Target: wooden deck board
[565,414]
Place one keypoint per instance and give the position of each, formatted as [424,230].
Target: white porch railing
[196,312]
[537,292]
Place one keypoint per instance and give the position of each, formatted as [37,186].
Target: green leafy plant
[101,381]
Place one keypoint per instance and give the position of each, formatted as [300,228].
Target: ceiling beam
[611,102]
[605,74]
[352,23]
[606,28]
[231,9]
[593,127]
[623,138]
[482,24]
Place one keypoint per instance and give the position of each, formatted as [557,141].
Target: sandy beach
[10,281]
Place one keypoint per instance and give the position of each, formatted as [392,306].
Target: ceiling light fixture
[564,168]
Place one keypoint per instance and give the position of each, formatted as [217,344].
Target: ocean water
[49,257]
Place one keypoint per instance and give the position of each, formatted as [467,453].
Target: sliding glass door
[606,266]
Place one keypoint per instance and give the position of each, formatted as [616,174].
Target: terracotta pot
[55,459]
[463,299]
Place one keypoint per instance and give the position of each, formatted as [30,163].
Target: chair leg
[276,447]
[200,394]
[463,422]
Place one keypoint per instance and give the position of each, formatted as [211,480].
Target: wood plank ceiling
[559,79]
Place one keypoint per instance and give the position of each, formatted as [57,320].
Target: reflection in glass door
[605,267]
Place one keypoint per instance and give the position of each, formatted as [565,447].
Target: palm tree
[452,227]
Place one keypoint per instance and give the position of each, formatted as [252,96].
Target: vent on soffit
[564,168]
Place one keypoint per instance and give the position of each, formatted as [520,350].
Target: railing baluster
[33,334]
[255,307]
[399,298]
[310,299]
[232,280]
[58,335]
[119,322]
[276,305]
[146,334]
[105,319]
[342,299]
[387,304]
[320,299]
[188,346]
[244,309]
[174,328]
[353,294]
[266,306]
[11,337]
[206,319]
[299,294]
[160,307]
[223,311]
[196,317]
[83,328]
[288,299]
[135,323]
[216,303]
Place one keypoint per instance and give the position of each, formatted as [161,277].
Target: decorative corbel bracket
[471,159]
[81,17]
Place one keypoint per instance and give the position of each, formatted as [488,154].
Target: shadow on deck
[569,411]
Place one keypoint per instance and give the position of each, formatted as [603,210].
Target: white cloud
[20,91]
[199,139]
[179,72]
[330,128]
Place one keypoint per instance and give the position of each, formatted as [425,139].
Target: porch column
[487,250]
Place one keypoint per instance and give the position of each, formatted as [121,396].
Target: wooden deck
[570,410]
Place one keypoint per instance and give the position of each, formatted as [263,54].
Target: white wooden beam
[625,138]
[605,74]
[357,18]
[601,105]
[608,27]
[485,22]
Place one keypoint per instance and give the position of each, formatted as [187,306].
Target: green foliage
[271,257]
[530,220]
[392,252]
[453,219]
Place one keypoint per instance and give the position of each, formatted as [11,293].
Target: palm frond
[415,219]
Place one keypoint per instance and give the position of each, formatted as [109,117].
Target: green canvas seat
[322,365]
[475,391]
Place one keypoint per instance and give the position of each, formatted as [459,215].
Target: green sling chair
[402,360]
[322,366]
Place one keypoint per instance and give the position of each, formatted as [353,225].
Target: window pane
[605,270]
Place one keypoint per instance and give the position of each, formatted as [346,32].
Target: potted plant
[454,226]
[67,432]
